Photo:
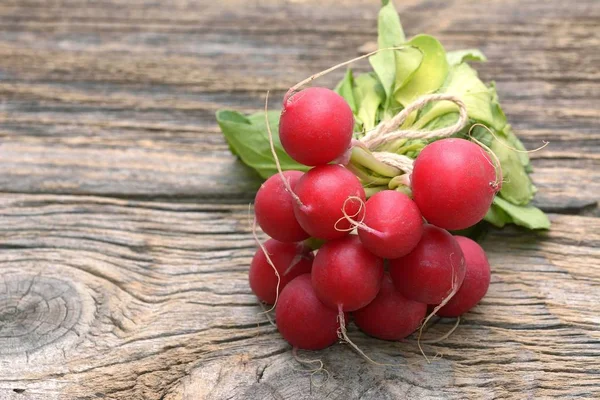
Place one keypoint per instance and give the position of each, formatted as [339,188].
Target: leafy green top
[421,66]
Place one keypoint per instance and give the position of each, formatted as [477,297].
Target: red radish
[475,284]
[316,125]
[323,192]
[274,208]
[302,319]
[392,226]
[290,260]
[429,272]
[454,182]
[346,275]
[390,316]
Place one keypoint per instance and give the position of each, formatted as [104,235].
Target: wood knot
[36,311]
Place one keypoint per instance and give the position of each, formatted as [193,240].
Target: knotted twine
[388,130]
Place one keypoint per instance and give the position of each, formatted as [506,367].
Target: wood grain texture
[120,101]
[159,306]
[124,234]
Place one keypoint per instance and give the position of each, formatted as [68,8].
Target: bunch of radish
[316,295]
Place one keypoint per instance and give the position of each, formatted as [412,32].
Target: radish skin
[346,275]
[391,316]
[429,273]
[303,321]
[454,182]
[316,125]
[392,225]
[290,260]
[475,284]
[274,208]
[323,192]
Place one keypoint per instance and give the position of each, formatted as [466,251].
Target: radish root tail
[266,313]
[343,336]
[311,78]
[495,185]
[350,218]
[496,164]
[313,370]
[286,183]
[266,253]
[503,143]
[455,288]
[445,336]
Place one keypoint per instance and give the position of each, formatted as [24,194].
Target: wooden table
[124,234]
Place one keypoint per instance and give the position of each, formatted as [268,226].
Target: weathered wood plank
[79,114]
[138,299]
[102,297]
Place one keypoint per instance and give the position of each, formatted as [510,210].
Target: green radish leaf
[527,216]
[498,115]
[411,148]
[442,120]
[481,134]
[497,217]
[314,243]
[345,88]
[514,141]
[481,101]
[476,232]
[248,139]
[431,73]
[389,34]
[516,184]
[465,84]
[408,61]
[459,56]
[370,92]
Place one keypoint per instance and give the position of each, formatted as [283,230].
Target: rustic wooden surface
[124,235]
